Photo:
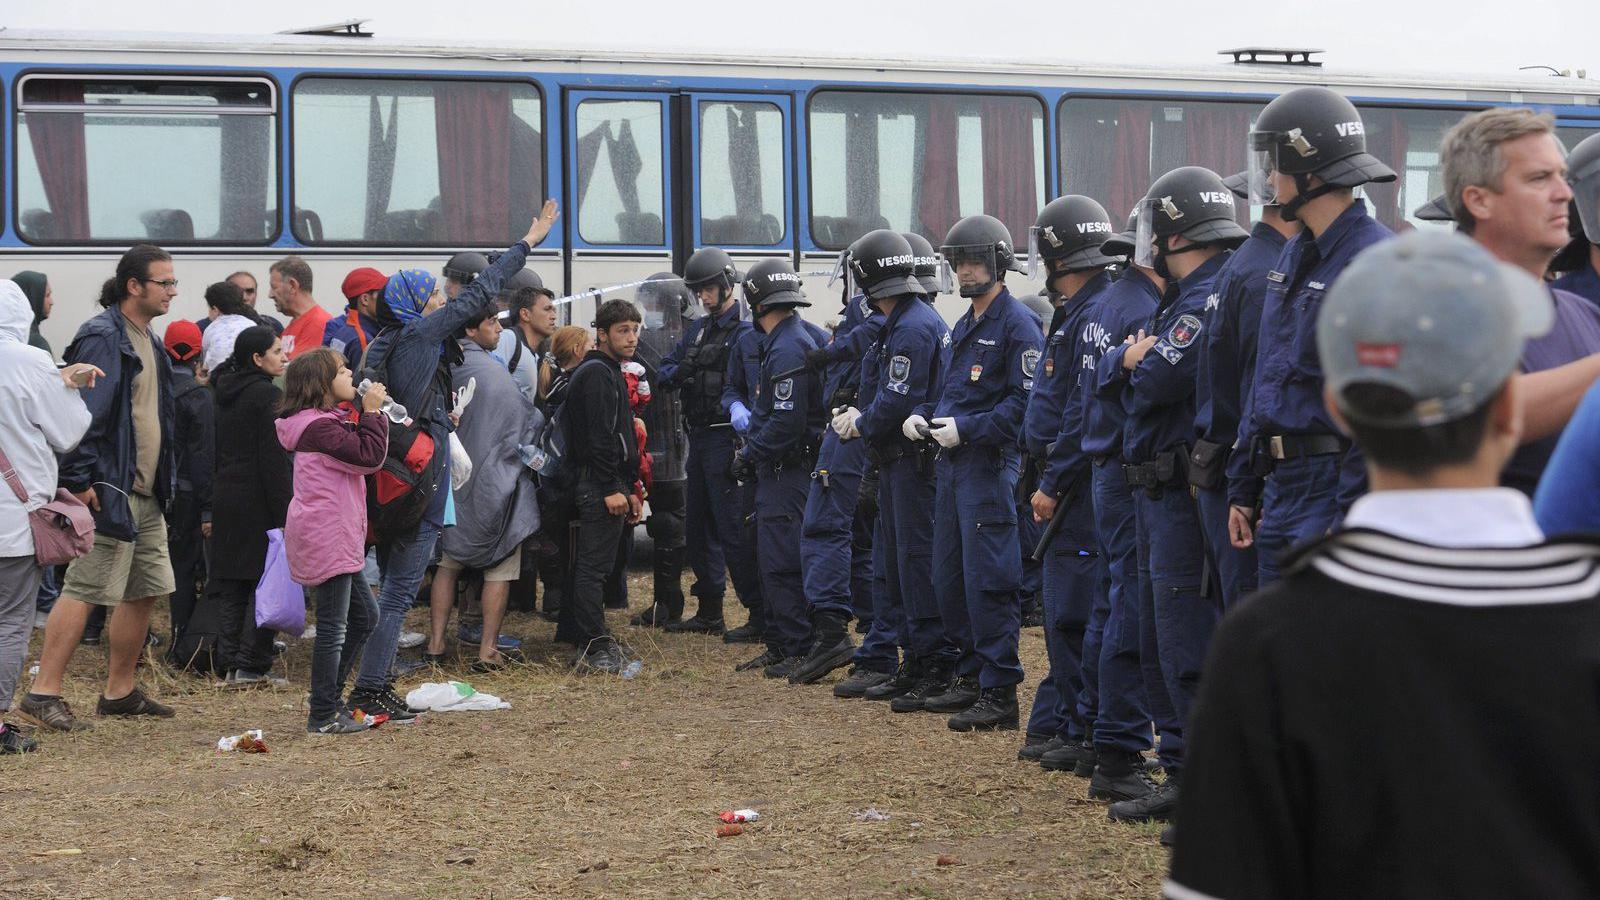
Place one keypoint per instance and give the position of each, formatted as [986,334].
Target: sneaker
[474,636]
[1119,777]
[994,710]
[1077,757]
[243,678]
[279,648]
[749,633]
[342,723]
[696,625]
[384,702]
[603,658]
[12,741]
[935,680]
[904,679]
[1035,746]
[768,657]
[90,639]
[783,667]
[409,639]
[135,704]
[858,681]
[52,713]
[1160,805]
[962,693]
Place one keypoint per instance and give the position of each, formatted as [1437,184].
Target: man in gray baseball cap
[1438,616]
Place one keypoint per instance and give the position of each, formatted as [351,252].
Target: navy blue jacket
[903,369]
[726,329]
[859,325]
[1062,374]
[339,335]
[992,365]
[105,458]
[1057,375]
[1228,350]
[789,410]
[1158,393]
[1287,397]
[1117,314]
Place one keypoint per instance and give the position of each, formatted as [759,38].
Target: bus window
[919,162]
[1113,148]
[145,158]
[1407,140]
[440,163]
[620,193]
[741,174]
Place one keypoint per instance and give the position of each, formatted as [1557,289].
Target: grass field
[588,786]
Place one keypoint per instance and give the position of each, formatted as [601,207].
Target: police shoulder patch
[1184,331]
[945,341]
[783,390]
[1030,362]
[899,369]
[1168,352]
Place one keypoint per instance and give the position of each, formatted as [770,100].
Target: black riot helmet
[1311,131]
[663,290]
[1069,233]
[882,264]
[525,278]
[1435,210]
[985,240]
[1583,172]
[1121,243]
[772,284]
[1192,202]
[710,265]
[465,266]
[1241,186]
[929,267]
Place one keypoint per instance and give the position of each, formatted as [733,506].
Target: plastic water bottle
[396,413]
[632,670]
[533,456]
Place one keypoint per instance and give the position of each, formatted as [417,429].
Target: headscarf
[34,285]
[406,293]
[219,339]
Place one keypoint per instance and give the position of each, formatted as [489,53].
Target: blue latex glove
[740,416]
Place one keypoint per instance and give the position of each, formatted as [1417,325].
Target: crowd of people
[1346,427]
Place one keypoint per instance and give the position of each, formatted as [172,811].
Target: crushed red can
[739,815]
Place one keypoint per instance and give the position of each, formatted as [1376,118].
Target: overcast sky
[1447,35]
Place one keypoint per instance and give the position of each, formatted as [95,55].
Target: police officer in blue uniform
[779,452]
[1065,241]
[698,368]
[1186,228]
[1046,309]
[739,400]
[1132,691]
[1309,151]
[1583,274]
[1226,366]
[994,357]
[835,545]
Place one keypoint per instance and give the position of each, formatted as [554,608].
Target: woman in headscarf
[233,317]
[250,495]
[36,287]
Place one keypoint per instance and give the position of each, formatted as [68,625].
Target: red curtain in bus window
[62,156]
[1130,158]
[1010,193]
[940,203]
[1387,139]
[472,123]
[1217,135]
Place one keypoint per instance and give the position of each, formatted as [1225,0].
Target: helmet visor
[1035,267]
[1262,162]
[944,280]
[1144,238]
[1586,193]
[976,267]
[844,273]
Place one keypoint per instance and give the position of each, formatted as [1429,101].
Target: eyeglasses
[170,284]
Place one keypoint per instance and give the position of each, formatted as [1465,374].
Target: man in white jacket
[41,415]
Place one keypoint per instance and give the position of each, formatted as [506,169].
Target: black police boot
[1159,805]
[858,682]
[782,668]
[1077,757]
[768,657]
[962,693]
[700,623]
[1032,612]
[1119,777]
[752,632]
[934,680]
[658,615]
[904,679]
[1035,746]
[667,580]
[832,648]
[994,710]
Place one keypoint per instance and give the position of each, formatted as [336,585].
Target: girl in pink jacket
[325,532]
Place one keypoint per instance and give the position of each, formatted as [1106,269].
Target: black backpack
[557,471]
[398,494]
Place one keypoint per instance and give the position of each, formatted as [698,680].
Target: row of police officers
[1173,394]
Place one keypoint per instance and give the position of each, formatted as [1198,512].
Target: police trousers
[975,553]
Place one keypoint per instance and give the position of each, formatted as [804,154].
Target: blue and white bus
[234,151]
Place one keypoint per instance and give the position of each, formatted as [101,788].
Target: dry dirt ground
[587,786]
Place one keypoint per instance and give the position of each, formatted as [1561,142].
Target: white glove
[463,397]
[909,429]
[460,462]
[944,431]
[844,422]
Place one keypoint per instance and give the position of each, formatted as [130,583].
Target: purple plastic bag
[280,603]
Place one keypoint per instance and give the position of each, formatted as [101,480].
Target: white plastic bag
[453,696]
[460,463]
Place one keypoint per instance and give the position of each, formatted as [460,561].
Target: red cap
[182,340]
[361,280]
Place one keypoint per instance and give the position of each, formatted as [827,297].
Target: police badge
[977,372]
[899,369]
[783,390]
[1030,362]
[1184,331]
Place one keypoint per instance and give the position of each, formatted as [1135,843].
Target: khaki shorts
[508,569]
[115,570]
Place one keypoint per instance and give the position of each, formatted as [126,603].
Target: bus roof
[1531,88]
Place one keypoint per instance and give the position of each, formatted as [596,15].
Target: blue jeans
[49,590]
[346,614]
[404,562]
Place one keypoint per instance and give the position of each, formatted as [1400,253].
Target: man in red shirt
[290,280]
